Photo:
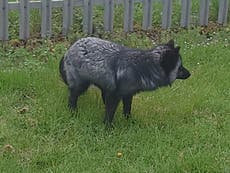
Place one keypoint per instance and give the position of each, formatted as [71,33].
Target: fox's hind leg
[75,92]
[103,96]
[127,102]
[111,103]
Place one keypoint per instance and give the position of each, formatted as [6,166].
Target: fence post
[185,13]
[46,18]
[108,15]
[204,10]
[128,18]
[167,14]
[67,16]
[4,34]
[88,16]
[223,12]
[24,19]
[147,16]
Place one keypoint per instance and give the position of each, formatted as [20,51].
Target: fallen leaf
[119,154]
[23,110]
[8,148]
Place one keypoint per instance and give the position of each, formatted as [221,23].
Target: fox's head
[171,62]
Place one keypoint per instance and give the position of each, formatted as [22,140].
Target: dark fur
[61,70]
[120,72]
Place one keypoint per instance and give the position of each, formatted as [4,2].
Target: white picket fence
[24,6]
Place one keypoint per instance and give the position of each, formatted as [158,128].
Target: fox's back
[93,59]
[92,49]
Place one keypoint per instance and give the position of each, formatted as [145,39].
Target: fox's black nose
[187,75]
[183,73]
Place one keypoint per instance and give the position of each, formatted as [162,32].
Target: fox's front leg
[111,103]
[127,102]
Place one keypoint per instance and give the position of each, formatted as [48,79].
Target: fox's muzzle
[183,73]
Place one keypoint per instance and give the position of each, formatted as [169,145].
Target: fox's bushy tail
[62,71]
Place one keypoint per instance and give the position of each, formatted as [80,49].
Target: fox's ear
[177,49]
[171,43]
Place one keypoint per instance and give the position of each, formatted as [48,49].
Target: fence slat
[59,3]
[185,13]
[88,16]
[108,15]
[223,12]
[4,21]
[167,14]
[128,12]
[147,16]
[24,19]
[46,9]
[67,16]
[204,11]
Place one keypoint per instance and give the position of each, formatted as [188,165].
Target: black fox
[118,71]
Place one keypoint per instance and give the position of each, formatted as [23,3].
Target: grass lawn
[183,128]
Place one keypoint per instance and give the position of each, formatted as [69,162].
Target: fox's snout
[183,73]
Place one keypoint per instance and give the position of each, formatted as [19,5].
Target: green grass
[183,128]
